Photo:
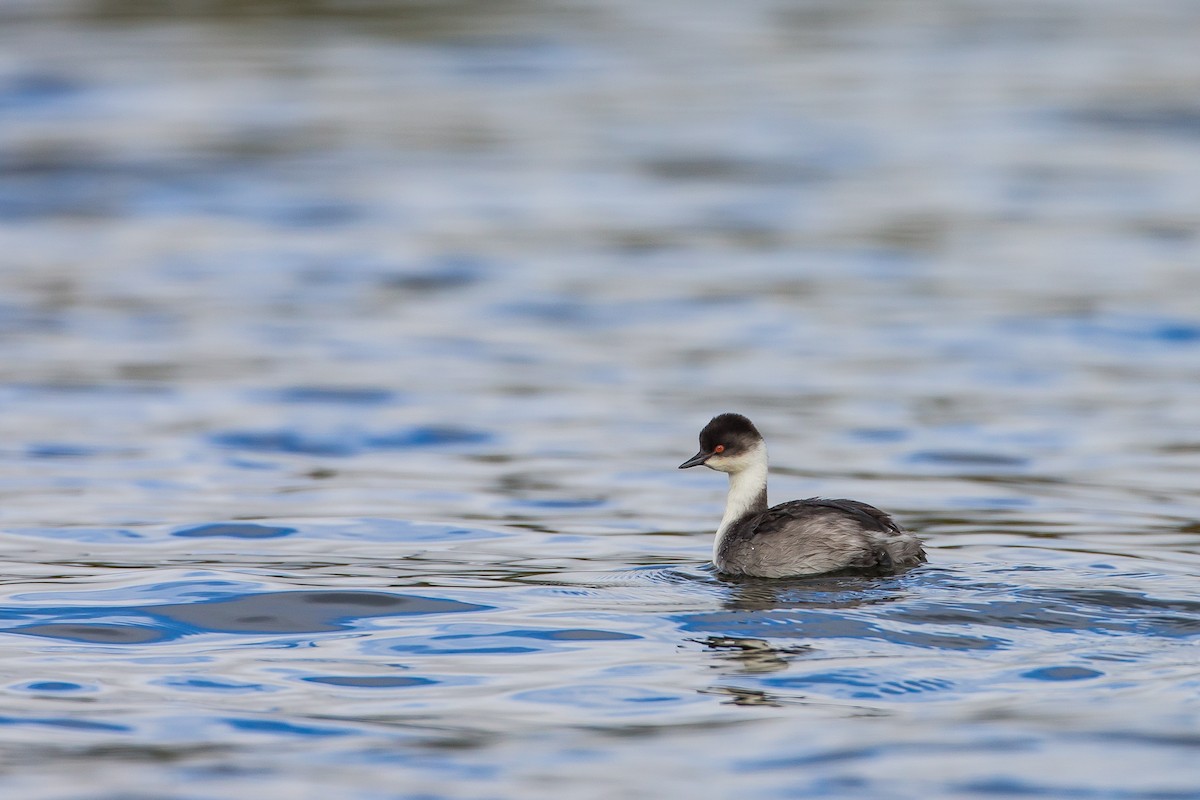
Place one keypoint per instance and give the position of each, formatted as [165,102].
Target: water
[349,351]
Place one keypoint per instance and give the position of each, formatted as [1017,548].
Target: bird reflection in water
[783,610]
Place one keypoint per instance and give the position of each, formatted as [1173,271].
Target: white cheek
[725,463]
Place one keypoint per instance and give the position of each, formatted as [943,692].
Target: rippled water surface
[347,352]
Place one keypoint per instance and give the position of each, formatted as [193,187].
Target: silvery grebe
[800,537]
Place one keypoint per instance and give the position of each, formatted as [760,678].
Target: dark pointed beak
[695,460]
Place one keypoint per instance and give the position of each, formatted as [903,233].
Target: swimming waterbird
[800,537]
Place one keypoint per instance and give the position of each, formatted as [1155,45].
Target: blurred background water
[347,351]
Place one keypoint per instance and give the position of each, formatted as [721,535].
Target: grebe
[800,537]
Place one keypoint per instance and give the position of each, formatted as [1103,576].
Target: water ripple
[265,613]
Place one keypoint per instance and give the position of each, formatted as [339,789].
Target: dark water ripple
[345,443]
[266,613]
[237,531]
[370,681]
[350,395]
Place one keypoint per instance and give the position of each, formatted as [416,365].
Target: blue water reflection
[263,613]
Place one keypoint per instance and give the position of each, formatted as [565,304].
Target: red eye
[719,448]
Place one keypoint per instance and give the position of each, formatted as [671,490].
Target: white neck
[747,492]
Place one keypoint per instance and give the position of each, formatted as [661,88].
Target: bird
[799,537]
